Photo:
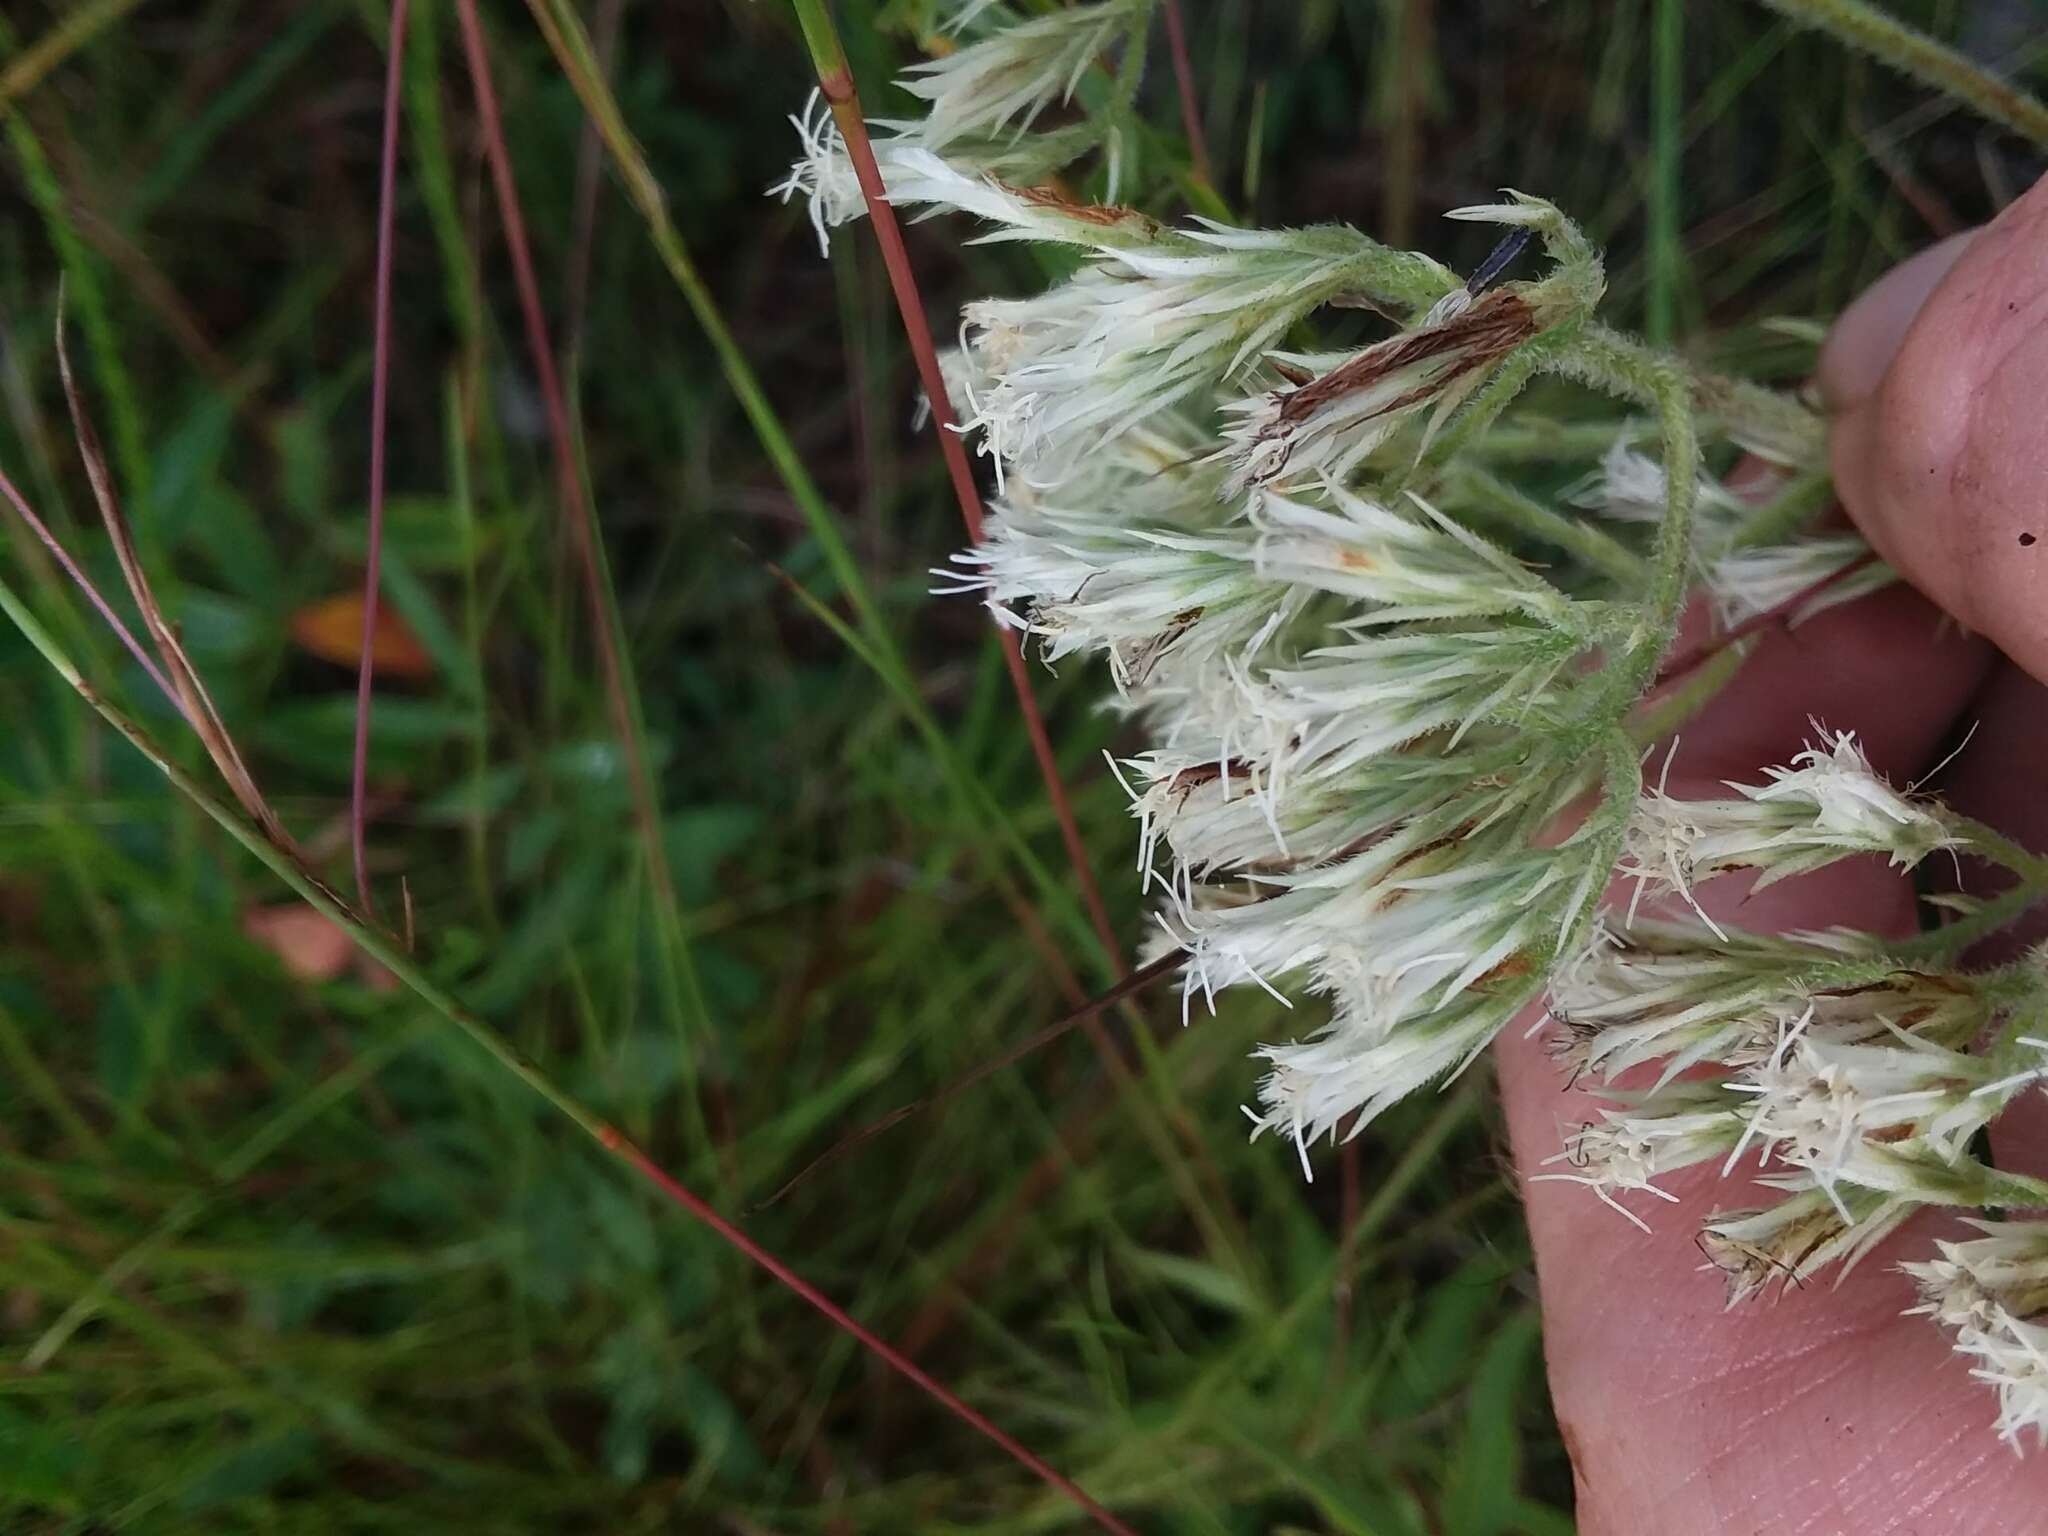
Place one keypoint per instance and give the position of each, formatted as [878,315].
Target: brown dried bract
[1486,332]
[1513,968]
[1106,215]
[1144,656]
[1206,773]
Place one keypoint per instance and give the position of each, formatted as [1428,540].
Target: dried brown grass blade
[183,677]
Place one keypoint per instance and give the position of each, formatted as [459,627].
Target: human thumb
[1937,383]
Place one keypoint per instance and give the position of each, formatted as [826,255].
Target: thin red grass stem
[839,91]
[582,523]
[380,385]
[583,533]
[898,1362]
[1769,618]
[92,593]
[1184,84]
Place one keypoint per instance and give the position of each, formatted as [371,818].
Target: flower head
[914,177]
[1989,1292]
[1231,815]
[1763,578]
[1828,804]
[1347,1074]
[1421,941]
[1646,1137]
[1677,995]
[1630,487]
[1798,1237]
[823,174]
[1893,1113]
[1343,705]
[1831,795]
[1139,594]
[1408,566]
[1001,84]
[1327,424]
[1142,328]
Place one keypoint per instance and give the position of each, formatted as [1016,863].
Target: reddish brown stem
[380,384]
[361,927]
[92,594]
[898,1362]
[1184,84]
[839,91]
[562,443]
[583,533]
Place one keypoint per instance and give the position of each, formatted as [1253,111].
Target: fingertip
[1870,331]
[1939,457]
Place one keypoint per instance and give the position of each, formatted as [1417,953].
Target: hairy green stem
[2031,867]
[1915,54]
[1801,500]
[563,32]
[1947,943]
[1483,495]
[1691,694]
[1481,411]
[1621,776]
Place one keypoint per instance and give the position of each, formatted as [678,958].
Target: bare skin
[1827,1411]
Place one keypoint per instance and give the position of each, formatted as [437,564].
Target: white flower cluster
[1826,806]
[1858,1085]
[1839,1065]
[1139,329]
[1367,726]
[1802,578]
[1991,1292]
[998,87]
[1335,681]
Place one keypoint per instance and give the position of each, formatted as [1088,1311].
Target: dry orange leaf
[332,629]
[307,944]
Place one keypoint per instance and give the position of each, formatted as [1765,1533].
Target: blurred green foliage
[289,1257]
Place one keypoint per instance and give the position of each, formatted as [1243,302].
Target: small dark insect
[1497,261]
